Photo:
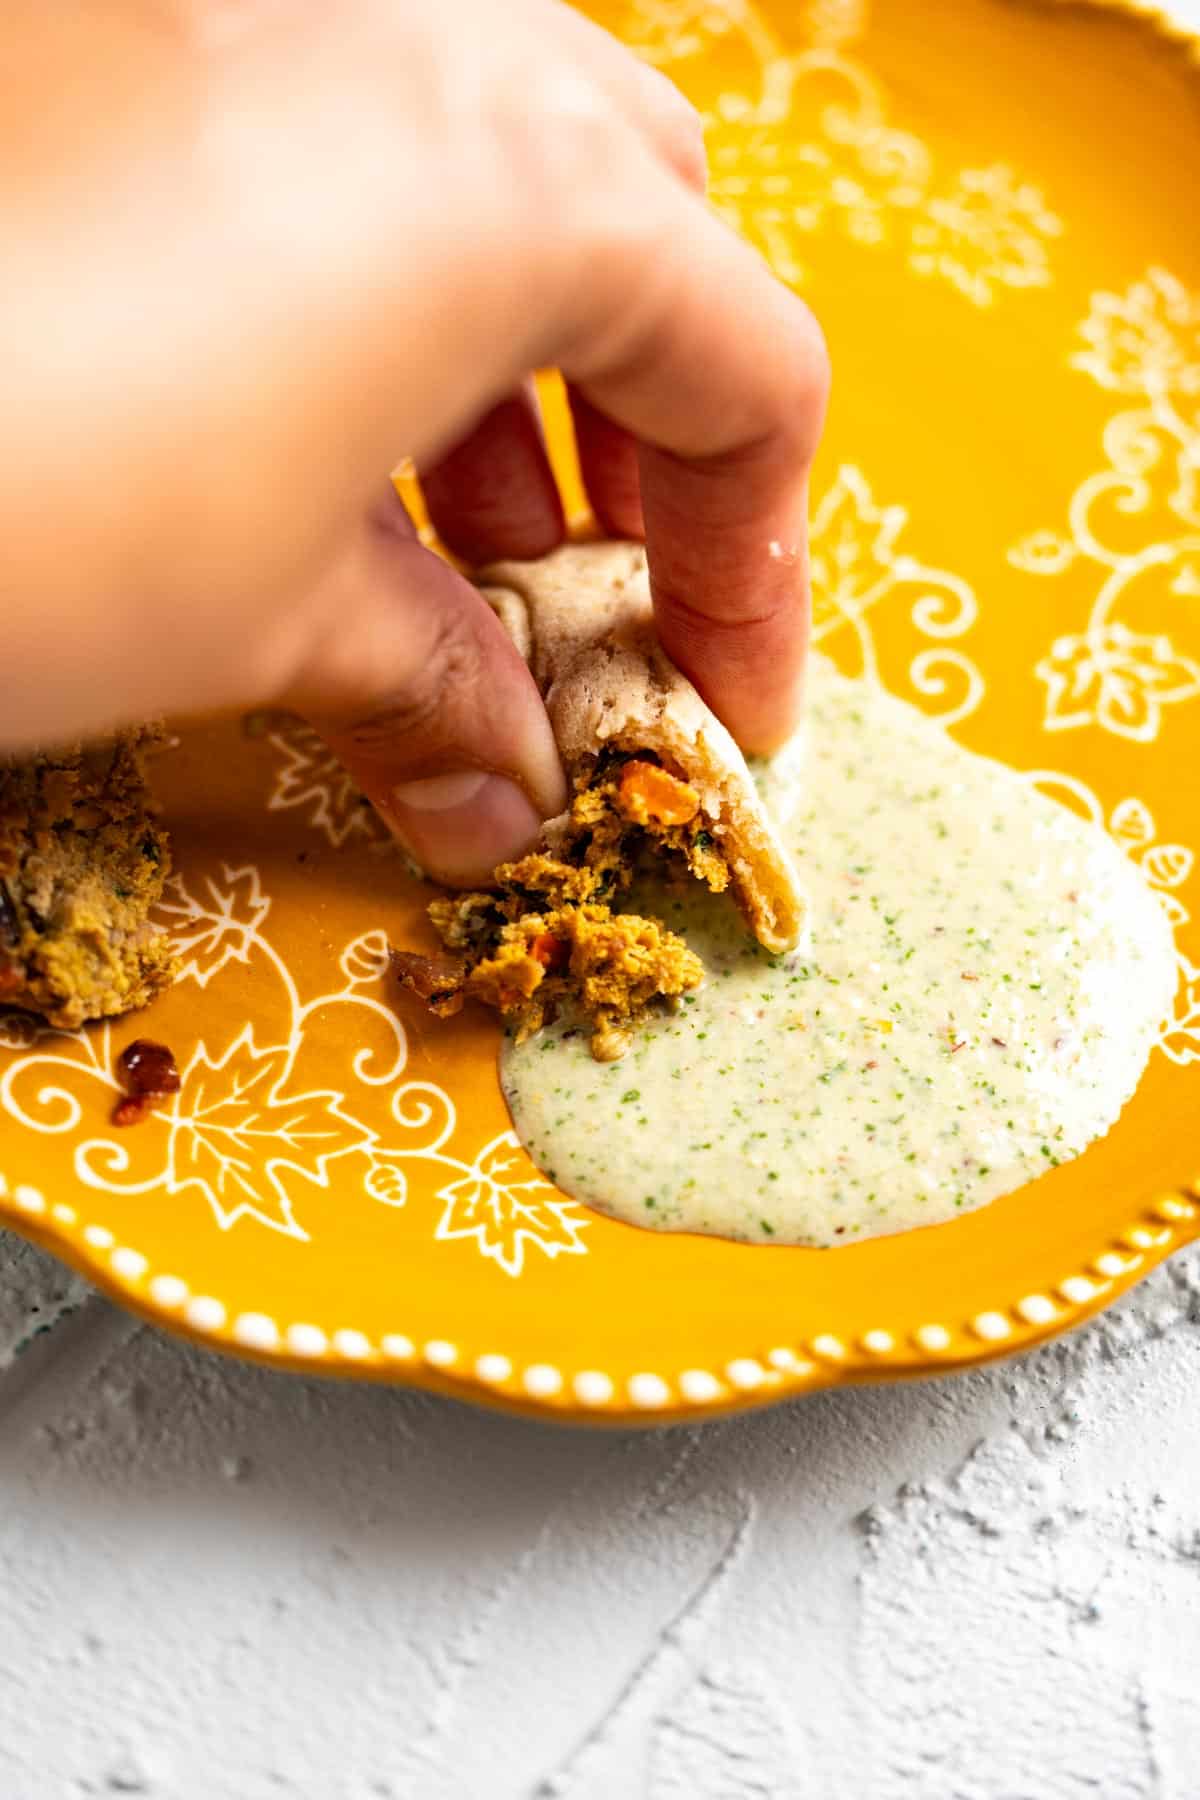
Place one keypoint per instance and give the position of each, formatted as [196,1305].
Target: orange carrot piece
[550,951]
[648,795]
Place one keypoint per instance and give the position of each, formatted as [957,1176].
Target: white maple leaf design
[313,780]
[852,550]
[217,923]
[237,1134]
[1114,678]
[505,1209]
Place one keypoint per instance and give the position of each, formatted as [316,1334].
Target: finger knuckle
[817,367]
[684,132]
[688,153]
[570,137]
[448,665]
[801,384]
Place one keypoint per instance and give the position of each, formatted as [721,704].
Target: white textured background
[223,1584]
[219,1584]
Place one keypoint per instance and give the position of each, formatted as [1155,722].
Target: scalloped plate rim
[855,1365]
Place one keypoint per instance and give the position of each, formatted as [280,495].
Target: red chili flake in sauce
[148,1073]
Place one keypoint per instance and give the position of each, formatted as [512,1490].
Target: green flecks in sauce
[982,988]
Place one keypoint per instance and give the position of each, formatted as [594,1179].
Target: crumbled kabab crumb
[550,936]
[610,966]
[437,980]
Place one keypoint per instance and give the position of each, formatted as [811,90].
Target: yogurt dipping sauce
[984,982]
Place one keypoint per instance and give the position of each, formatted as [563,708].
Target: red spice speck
[148,1069]
[148,1073]
[1000,1043]
[955,1048]
[967,977]
[129,1111]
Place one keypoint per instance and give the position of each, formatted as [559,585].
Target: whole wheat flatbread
[583,620]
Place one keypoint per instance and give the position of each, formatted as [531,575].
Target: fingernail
[458,827]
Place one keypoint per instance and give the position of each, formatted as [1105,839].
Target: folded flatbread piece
[652,770]
[583,620]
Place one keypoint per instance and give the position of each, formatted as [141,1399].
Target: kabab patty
[83,859]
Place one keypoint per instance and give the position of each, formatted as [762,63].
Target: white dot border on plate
[820,1361]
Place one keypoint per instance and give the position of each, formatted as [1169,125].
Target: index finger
[721,374]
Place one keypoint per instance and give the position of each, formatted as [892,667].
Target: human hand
[261,251]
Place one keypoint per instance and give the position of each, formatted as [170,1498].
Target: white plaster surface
[222,1584]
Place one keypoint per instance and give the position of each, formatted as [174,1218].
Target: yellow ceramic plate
[991,208]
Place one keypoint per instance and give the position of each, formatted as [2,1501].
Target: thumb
[416,687]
